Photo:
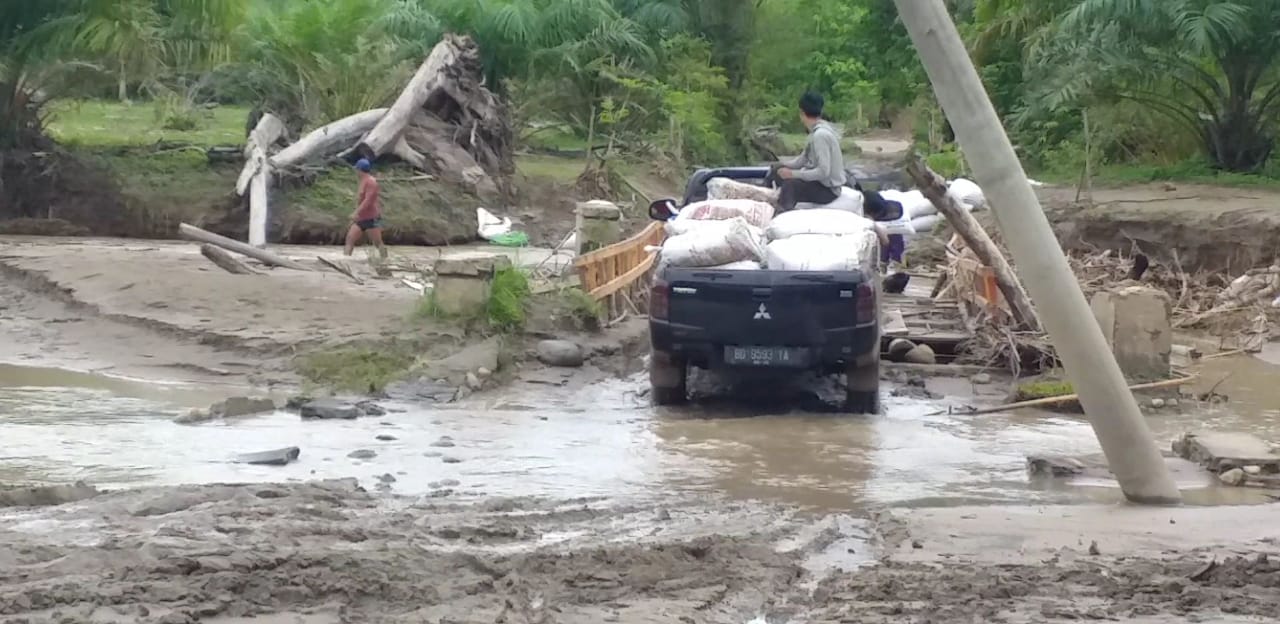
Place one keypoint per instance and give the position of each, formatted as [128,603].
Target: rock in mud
[1157,403]
[384,437]
[277,457]
[369,408]
[330,409]
[421,390]
[981,379]
[46,495]
[899,348]
[230,408]
[362,454]
[560,353]
[1235,476]
[444,442]
[454,368]
[296,402]
[1053,466]
[921,354]
[450,460]
[474,382]
[387,478]
[483,372]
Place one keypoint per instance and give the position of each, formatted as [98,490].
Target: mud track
[326,552]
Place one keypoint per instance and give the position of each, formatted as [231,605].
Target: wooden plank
[625,279]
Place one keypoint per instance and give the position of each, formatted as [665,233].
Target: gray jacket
[821,160]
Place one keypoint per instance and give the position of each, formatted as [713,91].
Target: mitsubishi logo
[763,314]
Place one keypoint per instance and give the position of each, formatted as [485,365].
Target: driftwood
[191,232]
[976,239]
[256,175]
[225,260]
[329,140]
[339,267]
[439,67]
[1155,385]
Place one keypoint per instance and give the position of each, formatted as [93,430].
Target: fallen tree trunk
[441,66]
[267,133]
[225,260]
[976,238]
[191,232]
[328,140]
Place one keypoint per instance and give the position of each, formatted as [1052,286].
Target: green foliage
[356,369]
[508,296]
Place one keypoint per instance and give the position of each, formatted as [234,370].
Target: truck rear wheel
[862,383]
[668,375]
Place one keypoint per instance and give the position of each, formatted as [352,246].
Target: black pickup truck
[767,321]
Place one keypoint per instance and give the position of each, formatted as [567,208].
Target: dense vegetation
[1171,85]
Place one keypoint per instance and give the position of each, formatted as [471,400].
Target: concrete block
[462,285]
[1136,323]
[598,224]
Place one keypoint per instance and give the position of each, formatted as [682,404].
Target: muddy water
[602,439]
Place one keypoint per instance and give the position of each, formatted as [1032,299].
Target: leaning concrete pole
[1112,410]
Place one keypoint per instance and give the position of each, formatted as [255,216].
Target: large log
[430,139]
[225,260]
[329,140]
[976,238]
[191,232]
[439,68]
[267,133]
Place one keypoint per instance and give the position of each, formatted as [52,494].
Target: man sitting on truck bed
[817,176]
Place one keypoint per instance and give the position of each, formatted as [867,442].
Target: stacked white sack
[756,213]
[724,188]
[822,252]
[967,193]
[714,243]
[829,221]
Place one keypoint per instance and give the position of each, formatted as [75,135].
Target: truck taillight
[865,303]
[659,300]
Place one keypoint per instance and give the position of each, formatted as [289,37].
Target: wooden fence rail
[617,275]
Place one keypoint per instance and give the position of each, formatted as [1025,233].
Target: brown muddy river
[603,440]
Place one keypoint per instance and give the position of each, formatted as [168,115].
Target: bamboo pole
[1155,385]
[193,233]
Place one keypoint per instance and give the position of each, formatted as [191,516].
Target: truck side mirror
[662,210]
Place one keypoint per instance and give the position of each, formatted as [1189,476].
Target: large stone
[453,370]
[243,406]
[277,457]
[598,224]
[921,354]
[462,285]
[1135,321]
[330,409]
[560,353]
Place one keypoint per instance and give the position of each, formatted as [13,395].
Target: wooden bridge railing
[616,275]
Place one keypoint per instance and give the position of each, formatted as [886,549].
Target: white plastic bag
[756,213]
[725,188]
[714,246]
[817,221]
[490,226]
[925,224]
[967,192]
[820,252]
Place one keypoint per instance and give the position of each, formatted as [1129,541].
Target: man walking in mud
[367,218]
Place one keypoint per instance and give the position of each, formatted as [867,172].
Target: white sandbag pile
[725,188]
[919,216]
[756,213]
[828,221]
[822,252]
[713,244]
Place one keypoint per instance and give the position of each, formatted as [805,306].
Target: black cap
[811,104]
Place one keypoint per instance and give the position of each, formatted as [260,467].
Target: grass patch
[1189,172]
[552,168]
[356,369]
[1044,389]
[508,298]
[97,123]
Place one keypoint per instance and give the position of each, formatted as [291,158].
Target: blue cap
[364,165]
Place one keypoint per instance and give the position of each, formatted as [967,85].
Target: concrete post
[1135,322]
[1113,412]
[463,285]
[598,224]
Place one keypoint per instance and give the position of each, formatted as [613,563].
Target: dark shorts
[370,224]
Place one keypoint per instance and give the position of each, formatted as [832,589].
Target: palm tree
[1211,66]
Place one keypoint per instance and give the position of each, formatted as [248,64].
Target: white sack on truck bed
[756,213]
[725,188]
[741,265]
[727,241]
[967,193]
[817,221]
[819,252]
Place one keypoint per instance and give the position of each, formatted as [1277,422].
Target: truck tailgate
[784,308]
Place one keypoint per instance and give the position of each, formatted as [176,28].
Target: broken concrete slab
[276,457]
[1223,451]
[1136,323]
[1054,466]
[330,409]
[454,369]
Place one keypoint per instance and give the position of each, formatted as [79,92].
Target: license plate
[764,356]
